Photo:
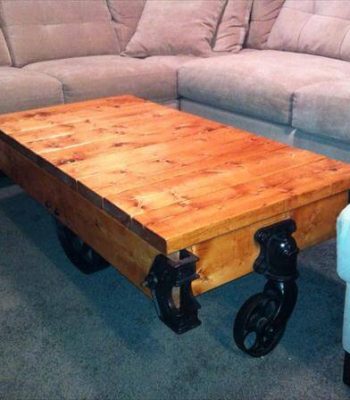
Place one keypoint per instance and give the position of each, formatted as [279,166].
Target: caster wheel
[254,331]
[79,253]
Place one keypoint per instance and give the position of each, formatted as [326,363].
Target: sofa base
[283,133]
[346,370]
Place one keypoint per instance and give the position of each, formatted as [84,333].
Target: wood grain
[131,255]
[172,178]
[232,255]
[135,179]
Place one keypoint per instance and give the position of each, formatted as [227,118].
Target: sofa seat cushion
[99,76]
[323,109]
[257,83]
[22,90]
[174,62]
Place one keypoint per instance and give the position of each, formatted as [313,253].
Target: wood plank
[134,202]
[98,187]
[237,206]
[161,153]
[33,119]
[139,128]
[138,133]
[232,255]
[82,129]
[99,128]
[128,252]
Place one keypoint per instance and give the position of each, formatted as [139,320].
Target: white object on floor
[343,268]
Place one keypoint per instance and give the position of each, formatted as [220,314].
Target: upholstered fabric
[346,320]
[314,27]
[22,90]
[126,15]
[173,62]
[38,30]
[263,16]
[343,268]
[4,52]
[259,83]
[343,244]
[99,76]
[176,27]
[233,26]
[323,109]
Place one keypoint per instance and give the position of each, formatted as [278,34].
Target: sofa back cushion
[175,27]
[233,26]
[126,15]
[4,52]
[39,30]
[263,16]
[316,27]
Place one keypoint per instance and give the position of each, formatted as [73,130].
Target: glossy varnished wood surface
[174,179]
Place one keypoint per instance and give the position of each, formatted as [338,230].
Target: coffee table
[177,203]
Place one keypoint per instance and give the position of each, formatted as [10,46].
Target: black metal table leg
[78,252]
[346,370]
[170,284]
[261,322]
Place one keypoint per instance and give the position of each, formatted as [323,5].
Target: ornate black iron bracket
[265,315]
[278,252]
[170,284]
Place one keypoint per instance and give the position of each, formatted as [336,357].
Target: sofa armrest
[343,245]
[346,324]
[343,268]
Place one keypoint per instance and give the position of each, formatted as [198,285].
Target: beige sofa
[54,51]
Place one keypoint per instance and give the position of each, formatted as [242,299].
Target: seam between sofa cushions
[342,42]
[292,103]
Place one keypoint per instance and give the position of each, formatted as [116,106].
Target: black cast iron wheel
[79,253]
[254,331]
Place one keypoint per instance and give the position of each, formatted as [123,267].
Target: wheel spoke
[254,317]
[254,331]
[271,308]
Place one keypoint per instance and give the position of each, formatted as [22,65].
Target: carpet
[64,335]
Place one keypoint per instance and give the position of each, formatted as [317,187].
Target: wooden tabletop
[173,178]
